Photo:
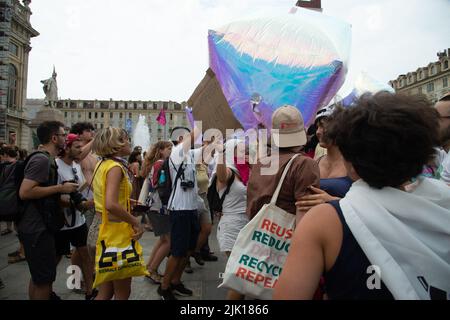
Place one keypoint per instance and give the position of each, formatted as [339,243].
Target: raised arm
[86,150]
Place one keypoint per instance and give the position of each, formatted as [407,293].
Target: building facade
[432,80]
[122,114]
[15,34]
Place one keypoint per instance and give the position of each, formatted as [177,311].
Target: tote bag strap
[127,192]
[277,190]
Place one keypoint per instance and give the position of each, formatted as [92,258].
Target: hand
[68,187]
[312,200]
[134,202]
[138,230]
[89,204]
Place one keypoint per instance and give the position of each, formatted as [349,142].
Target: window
[96,115]
[101,126]
[79,115]
[430,87]
[171,116]
[420,90]
[90,115]
[130,115]
[102,114]
[14,49]
[165,105]
[116,105]
[12,87]
[445,82]
[135,105]
[420,75]
[155,106]
[65,114]
[433,69]
[145,106]
[126,105]
[110,115]
[121,115]
[446,64]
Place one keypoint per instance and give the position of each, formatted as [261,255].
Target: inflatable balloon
[264,63]
[363,84]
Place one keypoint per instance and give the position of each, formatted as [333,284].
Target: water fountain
[141,135]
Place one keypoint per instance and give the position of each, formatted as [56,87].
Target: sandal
[16,259]
[14,254]
[154,277]
[5,232]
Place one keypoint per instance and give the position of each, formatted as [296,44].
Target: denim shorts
[184,231]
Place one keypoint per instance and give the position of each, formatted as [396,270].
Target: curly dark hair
[79,127]
[387,137]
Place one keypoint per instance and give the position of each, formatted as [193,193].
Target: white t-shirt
[67,173]
[183,199]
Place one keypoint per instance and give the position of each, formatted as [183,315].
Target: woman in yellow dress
[112,190]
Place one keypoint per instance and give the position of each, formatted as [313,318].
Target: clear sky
[157,49]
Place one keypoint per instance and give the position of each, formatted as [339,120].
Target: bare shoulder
[322,220]
[321,224]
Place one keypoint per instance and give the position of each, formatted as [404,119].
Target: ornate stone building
[431,80]
[123,114]
[15,34]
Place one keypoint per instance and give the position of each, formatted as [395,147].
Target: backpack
[215,202]
[164,183]
[11,177]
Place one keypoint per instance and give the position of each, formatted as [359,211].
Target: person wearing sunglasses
[75,230]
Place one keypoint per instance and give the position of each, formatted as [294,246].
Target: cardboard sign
[210,106]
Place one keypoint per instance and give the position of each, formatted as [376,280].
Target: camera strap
[179,172]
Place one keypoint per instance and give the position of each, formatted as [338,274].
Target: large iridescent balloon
[264,63]
[364,83]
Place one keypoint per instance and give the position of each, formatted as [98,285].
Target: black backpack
[11,177]
[165,188]
[215,202]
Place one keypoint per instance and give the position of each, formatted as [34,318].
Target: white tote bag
[260,250]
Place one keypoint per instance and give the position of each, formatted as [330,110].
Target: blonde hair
[109,141]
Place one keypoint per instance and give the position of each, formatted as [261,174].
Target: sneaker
[181,290]
[54,296]
[2,285]
[166,294]
[209,257]
[198,258]
[188,268]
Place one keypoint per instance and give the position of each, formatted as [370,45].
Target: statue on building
[51,90]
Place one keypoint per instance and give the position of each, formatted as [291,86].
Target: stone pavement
[203,281]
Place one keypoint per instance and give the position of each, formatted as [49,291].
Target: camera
[76,197]
[187,184]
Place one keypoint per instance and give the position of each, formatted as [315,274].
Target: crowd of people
[376,173]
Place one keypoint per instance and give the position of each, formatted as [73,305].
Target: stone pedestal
[46,114]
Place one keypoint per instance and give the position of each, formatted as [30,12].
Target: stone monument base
[46,114]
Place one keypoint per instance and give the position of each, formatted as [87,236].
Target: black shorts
[184,231]
[76,237]
[160,223]
[41,256]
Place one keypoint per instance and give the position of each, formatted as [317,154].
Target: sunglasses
[75,174]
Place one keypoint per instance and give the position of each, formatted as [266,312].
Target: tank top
[336,187]
[235,201]
[99,185]
[347,279]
